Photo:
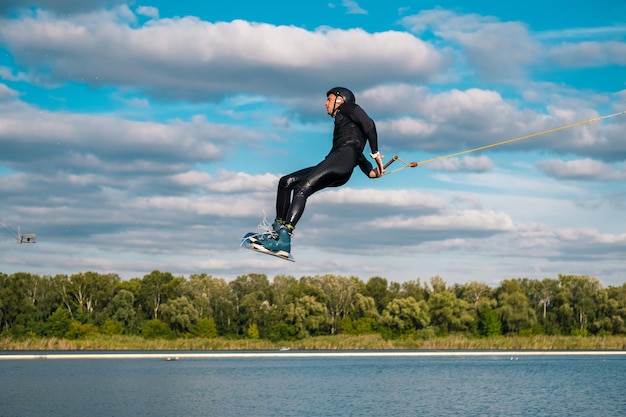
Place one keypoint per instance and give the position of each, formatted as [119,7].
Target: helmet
[342,92]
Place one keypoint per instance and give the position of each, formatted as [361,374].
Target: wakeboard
[249,242]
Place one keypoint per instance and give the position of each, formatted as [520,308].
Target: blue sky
[151,135]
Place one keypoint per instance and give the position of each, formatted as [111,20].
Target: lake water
[389,386]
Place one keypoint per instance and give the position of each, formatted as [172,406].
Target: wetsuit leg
[285,185]
[333,171]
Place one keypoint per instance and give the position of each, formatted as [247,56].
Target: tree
[477,294]
[206,328]
[577,303]
[489,323]
[212,298]
[91,292]
[364,317]
[284,290]
[438,284]
[21,295]
[122,309]
[515,312]
[158,287]
[415,289]
[365,306]
[339,295]
[58,323]
[307,315]
[249,306]
[448,313]
[180,314]
[202,290]
[252,301]
[540,294]
[615,310]
[377,288]
[405,315]
[283,293]
[585,292]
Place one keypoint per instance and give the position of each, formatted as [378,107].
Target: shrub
[206,328]
[156,329]
[78,330]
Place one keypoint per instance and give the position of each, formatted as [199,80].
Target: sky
[151,135]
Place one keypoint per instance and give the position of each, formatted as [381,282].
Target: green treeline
[163,306]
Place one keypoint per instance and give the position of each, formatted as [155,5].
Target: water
[316,386]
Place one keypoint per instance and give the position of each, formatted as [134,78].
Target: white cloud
[582,33]
[589,54]
[148,11]
[496,50]
[6,93]
[469,163]
[581,169]
[458,220]
[227,182]
[88,141]
[411,199]
[459,120]
[194,59]
[353,7]
[61,6]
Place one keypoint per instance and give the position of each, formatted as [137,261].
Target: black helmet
[342,92]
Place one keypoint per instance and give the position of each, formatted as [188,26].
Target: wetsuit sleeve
[364,164]
[365,123]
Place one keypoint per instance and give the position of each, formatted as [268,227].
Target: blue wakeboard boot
[269,234]
[281,245]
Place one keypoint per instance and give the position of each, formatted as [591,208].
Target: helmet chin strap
[338,99]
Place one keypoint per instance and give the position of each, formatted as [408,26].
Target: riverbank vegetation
[93,311]
[338,342]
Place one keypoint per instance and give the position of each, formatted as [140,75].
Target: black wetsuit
[353,128]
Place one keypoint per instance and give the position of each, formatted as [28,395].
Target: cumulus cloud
[227,181]
[469,163]
[459,120]
[451,120]
[588,47]
[188,58]
[6,93]
[496,50]
[573,244]
[581,169]
[413,199]
[457,220]
[148,11]
[59,6]
[589,54]
[44,141]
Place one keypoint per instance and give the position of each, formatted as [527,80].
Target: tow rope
[493,145]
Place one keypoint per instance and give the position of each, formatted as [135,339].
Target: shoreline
[303,354]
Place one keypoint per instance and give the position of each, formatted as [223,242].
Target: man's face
[332,102]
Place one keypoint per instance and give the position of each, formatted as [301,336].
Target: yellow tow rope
[504,142]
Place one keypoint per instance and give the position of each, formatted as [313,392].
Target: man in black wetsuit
[353,128]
